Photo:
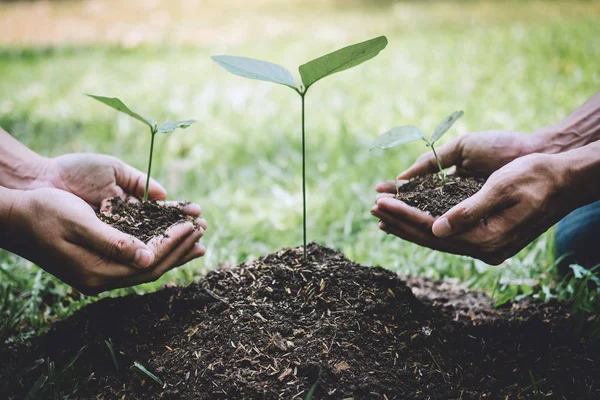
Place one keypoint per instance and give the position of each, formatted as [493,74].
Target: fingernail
[442,227]
[143,258]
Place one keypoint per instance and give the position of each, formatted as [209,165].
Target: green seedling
[311,72]
[409,133]
[167,127]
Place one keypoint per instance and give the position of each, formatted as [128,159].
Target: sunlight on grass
[508,67]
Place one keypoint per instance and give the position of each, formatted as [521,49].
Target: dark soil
[272,328]
[427,193]
[143,220]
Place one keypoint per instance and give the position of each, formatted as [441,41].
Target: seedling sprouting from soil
[167,127]
[409,133]
[310,73]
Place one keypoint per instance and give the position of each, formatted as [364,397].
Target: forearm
[580,128]
[581,174]
[19,166]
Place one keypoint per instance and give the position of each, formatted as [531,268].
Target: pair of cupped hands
[54,225]
[523,196]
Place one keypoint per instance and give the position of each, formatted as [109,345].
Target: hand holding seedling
[521,198]
[518,202]
[311,72]
[61,233]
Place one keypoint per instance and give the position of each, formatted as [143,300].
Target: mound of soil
[144,220]
[274,329]
[428,194]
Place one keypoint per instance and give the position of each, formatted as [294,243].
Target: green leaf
[341,60]
[172,125]
[143,369]
[119,105]
[256,69]
[397,136]
[445,125]
[71,362]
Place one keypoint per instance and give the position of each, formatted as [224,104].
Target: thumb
[115,245]
[467,214]
[133,182]
[449,154]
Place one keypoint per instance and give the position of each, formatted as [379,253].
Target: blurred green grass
[508,65]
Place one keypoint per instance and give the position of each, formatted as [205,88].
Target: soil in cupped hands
[428,194]
[143,220]
[274,328]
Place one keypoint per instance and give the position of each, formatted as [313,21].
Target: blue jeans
[577,236]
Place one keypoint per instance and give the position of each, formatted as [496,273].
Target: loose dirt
[427,193]
[144,220]
[274,329]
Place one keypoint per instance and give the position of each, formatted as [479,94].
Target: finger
[448,154]
[184,248]
[134,182]
[468,214]
[384,195]
[163,245]
[191,209]
[169,262]
[114,244]
[201,222]
[389,186]
[406,213]
[196,252]
[407,232]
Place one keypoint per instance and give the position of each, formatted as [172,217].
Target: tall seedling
[409,133]
[167,127]
[310,73]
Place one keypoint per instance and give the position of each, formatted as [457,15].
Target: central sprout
[310,73]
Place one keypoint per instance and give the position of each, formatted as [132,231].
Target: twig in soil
[438,365]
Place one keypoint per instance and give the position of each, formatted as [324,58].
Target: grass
[518,66]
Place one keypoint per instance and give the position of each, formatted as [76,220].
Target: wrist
[571,133]
[580,170]
[24,174]
[10,211]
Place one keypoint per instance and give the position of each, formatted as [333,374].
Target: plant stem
[153,132]
[439,166]
[304,258]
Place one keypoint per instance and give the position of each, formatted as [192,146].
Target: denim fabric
[577,236]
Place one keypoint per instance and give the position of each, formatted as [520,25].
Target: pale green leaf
[119,105]
[397,136]
[341,60]
[145,371]
[172,125]
[256,69]
[445,125]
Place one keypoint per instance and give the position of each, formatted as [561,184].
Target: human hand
[475,154]
[95,177]
[518,202]
[61,233]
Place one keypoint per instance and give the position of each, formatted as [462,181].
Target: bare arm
[20,167]
[580,128]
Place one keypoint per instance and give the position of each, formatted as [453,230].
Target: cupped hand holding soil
[517,203]
[61,233]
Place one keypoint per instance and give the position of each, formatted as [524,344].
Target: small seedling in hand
[405,134]
[310,73]
[167,127]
